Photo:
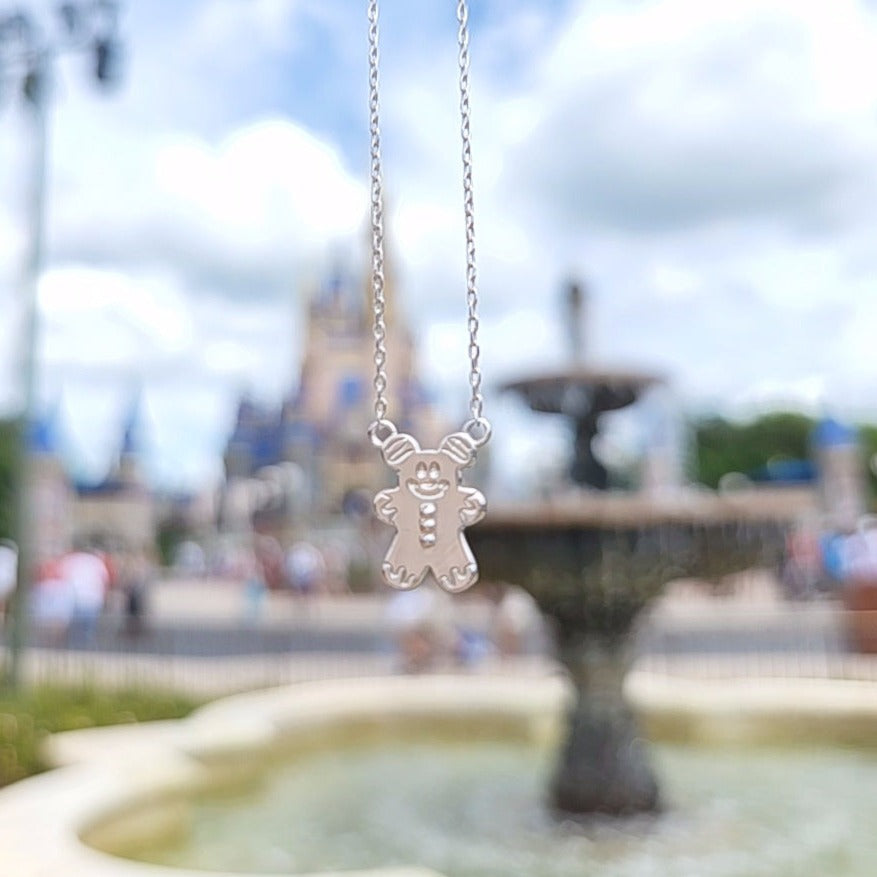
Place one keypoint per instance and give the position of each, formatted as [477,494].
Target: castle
[319,430]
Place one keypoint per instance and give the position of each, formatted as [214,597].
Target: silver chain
[382,428]
[377,220]
[476,403]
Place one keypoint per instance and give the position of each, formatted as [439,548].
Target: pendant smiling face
[425,479]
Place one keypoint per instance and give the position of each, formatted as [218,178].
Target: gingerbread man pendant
[429,509]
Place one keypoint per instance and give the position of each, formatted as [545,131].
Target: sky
[708,170]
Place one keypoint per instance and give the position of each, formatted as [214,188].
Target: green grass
[29,715]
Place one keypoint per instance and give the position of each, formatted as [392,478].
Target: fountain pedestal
[592,567]
[604,766]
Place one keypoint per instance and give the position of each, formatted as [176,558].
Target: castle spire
[127,464]
[129,445]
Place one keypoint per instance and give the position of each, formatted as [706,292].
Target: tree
[868,440]
[723,446]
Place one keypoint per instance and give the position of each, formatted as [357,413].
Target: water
[476,810]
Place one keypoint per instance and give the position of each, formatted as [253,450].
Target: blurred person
[802,570]
[236,560]
[859,554]
[305,568]
[858,562]
[255,587]
[831,547]
[421,626]
[220,561]
[472,648]
[52,603]
[515,617]
[189,559]
[88,575]
[336,558]
[271,561]
[136,573]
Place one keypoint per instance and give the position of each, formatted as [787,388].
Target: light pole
[27,54]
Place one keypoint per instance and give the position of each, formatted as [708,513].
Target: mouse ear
[398,448]
[460,447]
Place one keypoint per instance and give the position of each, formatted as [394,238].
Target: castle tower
[239,450]
[51,493]
[838,458]
[121,508]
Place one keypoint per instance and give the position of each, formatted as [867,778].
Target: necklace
[429,507]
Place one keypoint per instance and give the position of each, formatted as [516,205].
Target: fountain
[594,560]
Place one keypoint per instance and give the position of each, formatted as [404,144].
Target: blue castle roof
[831,433]
[45,434]
[42,436]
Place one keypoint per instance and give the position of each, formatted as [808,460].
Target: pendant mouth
[428,490]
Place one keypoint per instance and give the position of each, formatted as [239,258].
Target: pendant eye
[420,471]
[434,472]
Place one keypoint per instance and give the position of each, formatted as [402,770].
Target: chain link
[477,426]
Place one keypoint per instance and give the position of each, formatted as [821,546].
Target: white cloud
[111,318]
[237,218]
[678,112]
[251,27]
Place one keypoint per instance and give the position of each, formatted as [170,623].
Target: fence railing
[713,639]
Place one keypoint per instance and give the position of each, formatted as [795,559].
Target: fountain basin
[124,787]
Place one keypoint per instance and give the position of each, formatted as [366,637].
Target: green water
[476,811]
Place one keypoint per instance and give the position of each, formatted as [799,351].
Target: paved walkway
[222,602]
